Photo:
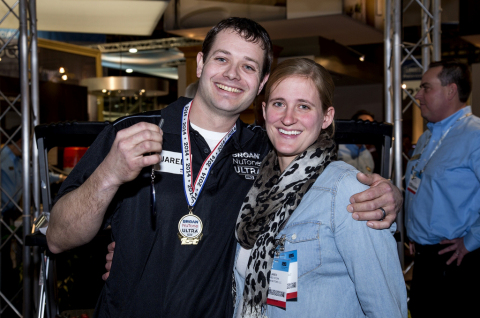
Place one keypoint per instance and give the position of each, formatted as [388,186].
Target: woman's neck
[284,162]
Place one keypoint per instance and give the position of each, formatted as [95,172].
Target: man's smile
[228,88]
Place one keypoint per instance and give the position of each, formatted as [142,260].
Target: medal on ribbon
[190,226]
[190,229]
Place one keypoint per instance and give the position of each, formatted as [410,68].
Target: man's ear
[328,117]
[199,64]
[265,79]
[452,91]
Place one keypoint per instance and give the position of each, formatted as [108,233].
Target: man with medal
[174,226]
[442,200]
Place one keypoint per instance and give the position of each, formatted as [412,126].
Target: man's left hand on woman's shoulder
[366,205]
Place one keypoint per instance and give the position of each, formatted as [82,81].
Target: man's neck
[453,111]
[205,119]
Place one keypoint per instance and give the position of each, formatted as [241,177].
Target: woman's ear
[328,117]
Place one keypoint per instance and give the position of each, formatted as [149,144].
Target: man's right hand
[109,258]
[134,148]
[77,216]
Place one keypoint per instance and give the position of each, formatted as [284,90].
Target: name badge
[292,282]
[171,162]
[414,183]
[277,289]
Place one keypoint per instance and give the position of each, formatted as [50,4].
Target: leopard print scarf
[265,212]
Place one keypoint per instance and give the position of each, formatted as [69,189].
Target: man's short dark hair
[458,73]
[250,30]
[362,112]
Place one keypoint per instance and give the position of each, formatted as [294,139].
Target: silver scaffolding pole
[14,47]
[35,121]
[392,50]
[397,115]
[10,104]
[25,91]
[428,45]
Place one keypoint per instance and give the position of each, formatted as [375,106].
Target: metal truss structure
[21,44]
[397,53]
[158,44]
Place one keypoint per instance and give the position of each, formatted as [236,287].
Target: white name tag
[277,288]
[171,162]
[414,184]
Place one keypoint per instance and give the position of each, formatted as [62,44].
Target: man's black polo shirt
[153,275]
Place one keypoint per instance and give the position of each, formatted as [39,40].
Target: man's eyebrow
[423,85]
[221,51]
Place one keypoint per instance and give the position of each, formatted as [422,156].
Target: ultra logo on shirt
[247,164]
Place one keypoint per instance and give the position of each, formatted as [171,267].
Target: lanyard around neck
[193,189]
[437,146]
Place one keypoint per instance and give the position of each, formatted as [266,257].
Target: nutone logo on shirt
[246,164]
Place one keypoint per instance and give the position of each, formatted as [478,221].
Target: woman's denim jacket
[345,268]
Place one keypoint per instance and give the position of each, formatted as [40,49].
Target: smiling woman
[297,207]
[295,114]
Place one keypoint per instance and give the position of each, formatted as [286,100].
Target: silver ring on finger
[384,214]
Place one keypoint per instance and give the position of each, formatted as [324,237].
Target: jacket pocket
[305,238]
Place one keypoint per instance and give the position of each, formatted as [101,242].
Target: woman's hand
[366,205]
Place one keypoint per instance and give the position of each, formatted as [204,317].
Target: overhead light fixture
[404,86]
[361,56]
[64,77]
[129,70]
[125,86]
[61,70]
[0,59]
[133,50]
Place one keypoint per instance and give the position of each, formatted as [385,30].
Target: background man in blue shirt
[358,155]
[443,197]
